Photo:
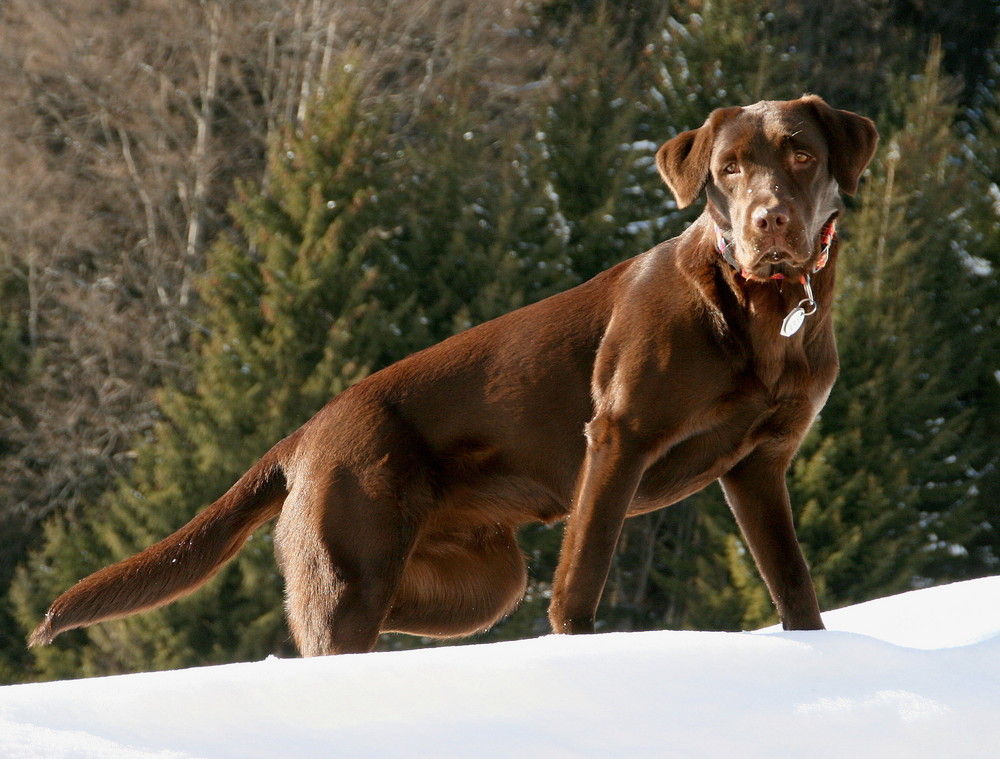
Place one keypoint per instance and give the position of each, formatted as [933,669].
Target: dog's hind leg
[342,546]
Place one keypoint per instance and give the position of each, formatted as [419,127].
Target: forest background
[216,214]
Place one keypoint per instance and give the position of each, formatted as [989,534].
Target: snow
[915,675]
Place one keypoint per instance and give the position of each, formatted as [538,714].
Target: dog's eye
[801,157]
[731,168]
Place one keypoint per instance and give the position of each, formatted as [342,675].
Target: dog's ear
[684,161]
[851,139]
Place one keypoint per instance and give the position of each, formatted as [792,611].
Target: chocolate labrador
[706,358]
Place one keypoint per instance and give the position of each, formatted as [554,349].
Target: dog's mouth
[776,270]
[769,256]
[776,263]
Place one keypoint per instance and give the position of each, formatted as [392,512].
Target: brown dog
[705,358]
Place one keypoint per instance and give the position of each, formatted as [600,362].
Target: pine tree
[890,484]
[367,244]
[289,320]
[687,567]
[596,166]
[15,526]
[890,477]
[973,534]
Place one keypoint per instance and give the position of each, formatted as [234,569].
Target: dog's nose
[772,218]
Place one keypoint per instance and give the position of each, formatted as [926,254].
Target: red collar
[825,240]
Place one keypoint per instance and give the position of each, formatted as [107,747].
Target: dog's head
[773,172]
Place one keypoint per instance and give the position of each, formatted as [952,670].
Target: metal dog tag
[793,321]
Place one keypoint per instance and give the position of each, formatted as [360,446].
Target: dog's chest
[786,389]
[753,413]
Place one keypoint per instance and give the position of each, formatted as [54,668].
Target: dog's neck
[747,314]
[805,307]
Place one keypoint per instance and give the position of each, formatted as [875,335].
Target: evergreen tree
[612,107]
[367,244]
[289,319]
[15,526]
[594,168]
[890,477]
[978,250]
[891,482]
[597,166]
[686,567]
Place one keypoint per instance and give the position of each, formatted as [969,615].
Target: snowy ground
[913,676]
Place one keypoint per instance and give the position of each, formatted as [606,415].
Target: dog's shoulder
[673,282]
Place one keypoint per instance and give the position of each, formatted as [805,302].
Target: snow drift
[916,675]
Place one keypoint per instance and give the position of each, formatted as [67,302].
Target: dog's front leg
[608,480]
[758,497]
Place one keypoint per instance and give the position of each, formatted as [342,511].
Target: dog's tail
[180,563]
